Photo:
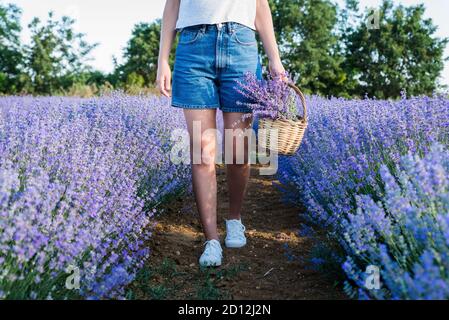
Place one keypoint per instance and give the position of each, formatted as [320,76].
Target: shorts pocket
[189,36]
[245,36]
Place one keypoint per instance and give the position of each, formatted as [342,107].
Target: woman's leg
[237,174]
[203,173]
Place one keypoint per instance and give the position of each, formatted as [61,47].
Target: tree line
[330,50]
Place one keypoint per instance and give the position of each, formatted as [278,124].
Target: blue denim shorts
[209,61]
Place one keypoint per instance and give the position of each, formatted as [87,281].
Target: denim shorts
[209,61]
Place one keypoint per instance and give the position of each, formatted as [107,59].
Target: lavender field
[375,176]
[80,181]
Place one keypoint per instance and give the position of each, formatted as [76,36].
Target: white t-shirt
[195,12]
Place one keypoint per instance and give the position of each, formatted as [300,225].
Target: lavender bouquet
[270,98]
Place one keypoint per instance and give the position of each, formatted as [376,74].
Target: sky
[110,22]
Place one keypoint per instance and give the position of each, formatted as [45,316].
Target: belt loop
[231,27]
[203,28]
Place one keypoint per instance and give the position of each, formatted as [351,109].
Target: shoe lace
[236,230]
[210,247]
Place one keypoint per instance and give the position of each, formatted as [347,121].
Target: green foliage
[11,75]
[57,56]
[403,54]
[332,51]
[141,56]
[305,31]
[327,48]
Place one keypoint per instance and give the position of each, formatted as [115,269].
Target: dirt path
[267,268]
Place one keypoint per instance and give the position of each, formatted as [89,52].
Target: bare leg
[237,174]
[203,173]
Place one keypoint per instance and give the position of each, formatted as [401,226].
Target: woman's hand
[168,33]
[163,81]
[277,70]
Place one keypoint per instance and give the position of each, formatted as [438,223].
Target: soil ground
[271,266]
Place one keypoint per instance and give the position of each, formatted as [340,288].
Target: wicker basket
[290,132]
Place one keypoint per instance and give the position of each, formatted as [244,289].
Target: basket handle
[301,97]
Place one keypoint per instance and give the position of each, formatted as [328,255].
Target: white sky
[110,22]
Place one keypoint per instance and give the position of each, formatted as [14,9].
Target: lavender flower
[375,174]
[270,98]
[80,180]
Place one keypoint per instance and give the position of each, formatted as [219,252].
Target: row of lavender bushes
[375,176]
[80,180]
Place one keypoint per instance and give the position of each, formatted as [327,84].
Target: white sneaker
[235,234]
[212,254]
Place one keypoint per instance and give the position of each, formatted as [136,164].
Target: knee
[204,163]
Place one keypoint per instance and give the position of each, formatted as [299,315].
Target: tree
[57,55]
[309,44]
[403,54]
[141,55]
[11,55]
